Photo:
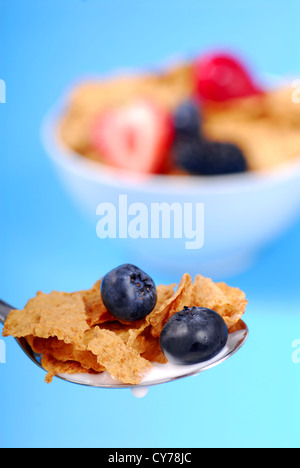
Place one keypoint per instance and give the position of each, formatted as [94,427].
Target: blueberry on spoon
[128,293]
[193,335]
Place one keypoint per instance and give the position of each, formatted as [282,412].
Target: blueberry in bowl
[193,335]
[128,293]
[203,157]
[187,120]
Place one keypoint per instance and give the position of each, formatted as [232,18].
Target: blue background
[252,400]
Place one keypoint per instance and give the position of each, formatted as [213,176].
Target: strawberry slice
[221,77]
[137,137]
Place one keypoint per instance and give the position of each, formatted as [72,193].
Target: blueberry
[204,157]
[193,335]
[128,293]
[187,120]
[222,158]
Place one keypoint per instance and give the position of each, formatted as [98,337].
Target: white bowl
[243,213]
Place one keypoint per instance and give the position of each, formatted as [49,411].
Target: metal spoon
[235,341]
[4,311]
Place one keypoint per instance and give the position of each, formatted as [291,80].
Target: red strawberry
[136,137]
[221,77]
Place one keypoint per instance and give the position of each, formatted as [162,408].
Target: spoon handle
[4,311]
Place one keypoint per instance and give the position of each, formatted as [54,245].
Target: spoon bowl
[160,374]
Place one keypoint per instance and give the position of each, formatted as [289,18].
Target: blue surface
[252,400]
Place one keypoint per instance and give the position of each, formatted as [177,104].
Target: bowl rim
[98,172]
